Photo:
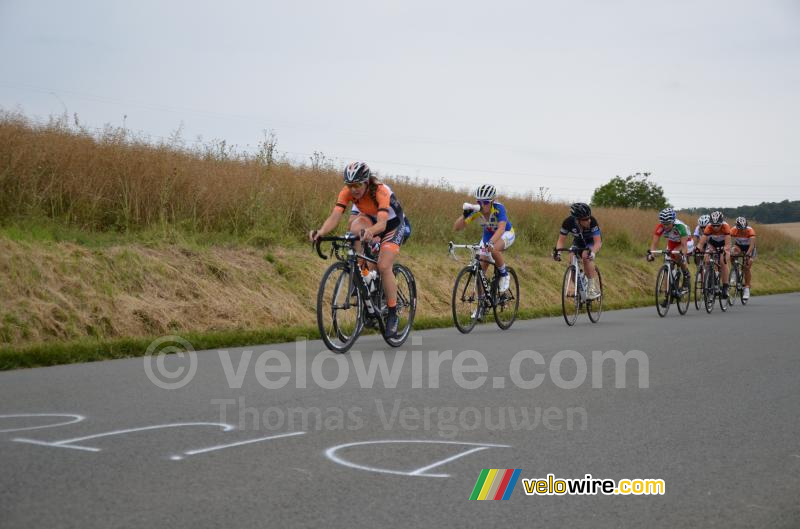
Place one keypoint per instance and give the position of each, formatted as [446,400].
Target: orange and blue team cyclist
[677,235]
[379,216]
[585,235]
[498,233]
[718,235]
[744,239]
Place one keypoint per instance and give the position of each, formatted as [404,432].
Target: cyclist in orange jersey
[744,238]
[380,216]
[718,235]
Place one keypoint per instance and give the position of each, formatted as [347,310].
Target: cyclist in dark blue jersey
[586,235]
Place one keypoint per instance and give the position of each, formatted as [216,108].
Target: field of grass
[107,241]
[792,229]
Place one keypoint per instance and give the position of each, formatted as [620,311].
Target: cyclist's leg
[390,247]
[358,223]
[748,265]
[588,264]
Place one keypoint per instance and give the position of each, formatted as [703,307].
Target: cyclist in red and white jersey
[677,234]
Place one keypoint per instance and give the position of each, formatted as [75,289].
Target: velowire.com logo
[495,484]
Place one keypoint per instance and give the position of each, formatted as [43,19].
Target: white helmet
[704,220]
[485,192]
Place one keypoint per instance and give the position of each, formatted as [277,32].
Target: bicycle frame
[343,249]
[576,262]
[477,259]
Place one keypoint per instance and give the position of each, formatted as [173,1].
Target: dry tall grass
[114,181]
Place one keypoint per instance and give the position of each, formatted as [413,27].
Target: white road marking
[77,418]
[67,443]
[240,443]
[330,453]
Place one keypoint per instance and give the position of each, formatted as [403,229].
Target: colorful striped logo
[495,484]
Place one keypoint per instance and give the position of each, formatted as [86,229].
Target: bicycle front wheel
[406,304]
[339,309]
[698,288]
[735,286]
[466,300]
[506,304]
[570,299]
[663,291]
[594,307]
[710,289]
[684,288]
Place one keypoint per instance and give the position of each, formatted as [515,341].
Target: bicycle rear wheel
[570,299]
[339,309]
[594,307]
[466,300]
[506,304]
[663,298]
[406,304]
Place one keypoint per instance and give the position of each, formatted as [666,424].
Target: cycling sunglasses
[484,202]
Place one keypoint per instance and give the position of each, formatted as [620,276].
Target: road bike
[574,289]
[736,279]
[699,281]
[474,294]
[670,284]
[712,286]
[349,298]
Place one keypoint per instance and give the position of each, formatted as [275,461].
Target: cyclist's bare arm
[330,223]
[460,224]
[380,226]
[598,243]
[561,240]
[498,234]
[702,243]
[654,243]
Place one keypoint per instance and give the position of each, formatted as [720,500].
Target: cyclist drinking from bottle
[498,234]
[586,236]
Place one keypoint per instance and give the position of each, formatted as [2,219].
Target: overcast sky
[556,94]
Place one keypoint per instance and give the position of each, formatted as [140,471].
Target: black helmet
[580,210]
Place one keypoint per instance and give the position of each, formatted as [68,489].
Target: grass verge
[87,350]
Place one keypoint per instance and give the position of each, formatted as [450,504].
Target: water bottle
[583,284]
[369,279]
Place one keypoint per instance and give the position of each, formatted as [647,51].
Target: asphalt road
[710,405]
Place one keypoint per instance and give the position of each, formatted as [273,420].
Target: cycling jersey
[386,201]
[583,237]
[496,216]
[674,234]
[742,236]
[719,233]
